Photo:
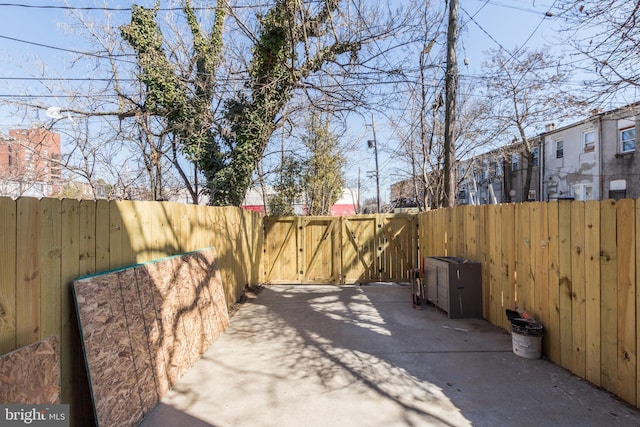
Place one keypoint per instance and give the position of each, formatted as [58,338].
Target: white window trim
[558,142]
[620,131]
[592,145]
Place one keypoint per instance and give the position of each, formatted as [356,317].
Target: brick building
[29,163]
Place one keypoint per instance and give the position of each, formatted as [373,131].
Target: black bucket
[527,327]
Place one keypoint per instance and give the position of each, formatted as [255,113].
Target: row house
[498,176]
[29,163]
[593,159]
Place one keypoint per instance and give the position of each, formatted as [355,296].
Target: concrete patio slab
[361,356]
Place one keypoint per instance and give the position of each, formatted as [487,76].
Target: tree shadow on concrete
[360,355]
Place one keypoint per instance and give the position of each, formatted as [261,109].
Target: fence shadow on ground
[363,351]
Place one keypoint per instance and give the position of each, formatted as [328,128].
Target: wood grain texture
[553,327]
[8,276]
[578,290]
[626,300]
[592,284]
[31,374]
[608,296]
[143,327]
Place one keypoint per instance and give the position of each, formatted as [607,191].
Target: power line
[509,6]
[62,49]
[127,9]
[511,55]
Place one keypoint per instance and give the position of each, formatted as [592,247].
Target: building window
[583,192]
[588,192]
[515,159]
[589,140]
[532,196]
[536,156]
[559,149]
[55,166]
[617,194]
[627,140]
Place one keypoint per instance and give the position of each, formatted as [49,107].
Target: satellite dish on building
[54,112]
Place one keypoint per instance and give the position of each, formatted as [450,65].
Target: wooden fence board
[500,273]
[8,276]
[626,301]
[130,217]
[50,246]
[28,272]
[87,230]
[484,259]
[116,236]
[541,269]
[69,270]
[592,290]
[564,272]
[608,296]
[523,254]
[458,226]
[534,272]
[471,250]
[637,299]
[439,241]
[102,235]
[509,251]
[553,327]
[74,381]
[156,243]
[578,307]
[492,265]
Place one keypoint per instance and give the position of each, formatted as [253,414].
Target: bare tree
[525,91]
[230,99]
[418,125]
[125,149]
[607,33]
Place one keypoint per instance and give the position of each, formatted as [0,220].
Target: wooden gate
[339,250]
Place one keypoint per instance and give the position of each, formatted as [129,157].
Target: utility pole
[358,208]
[374,143]
[451,86]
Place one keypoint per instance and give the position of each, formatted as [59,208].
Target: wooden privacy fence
[354,249]
[46,244]
[573,265]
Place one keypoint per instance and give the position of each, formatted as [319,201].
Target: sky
[34,37]
[487,25]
